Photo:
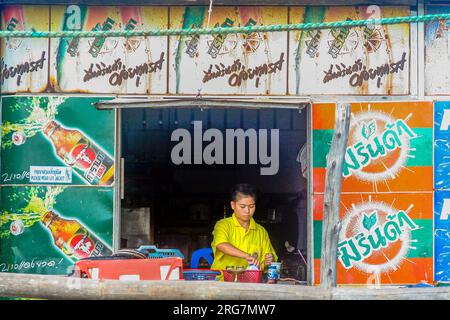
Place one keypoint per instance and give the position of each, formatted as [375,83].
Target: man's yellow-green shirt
[255,239]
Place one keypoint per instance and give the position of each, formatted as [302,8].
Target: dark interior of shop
[176,205]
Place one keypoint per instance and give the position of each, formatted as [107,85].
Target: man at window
[238,240]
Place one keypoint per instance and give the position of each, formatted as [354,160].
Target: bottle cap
[19,138]
[16,227]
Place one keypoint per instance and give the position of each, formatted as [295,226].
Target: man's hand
[231,250]
[253,260]
[268,259]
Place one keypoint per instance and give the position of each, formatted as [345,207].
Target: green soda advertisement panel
[56,140]
[57,183]
[46,229]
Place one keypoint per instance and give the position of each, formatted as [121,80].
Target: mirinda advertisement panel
[384,239]
[390,147]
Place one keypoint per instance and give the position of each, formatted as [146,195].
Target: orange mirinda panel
[386,238]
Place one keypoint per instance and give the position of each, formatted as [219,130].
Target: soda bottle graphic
[73,239]
[76,150]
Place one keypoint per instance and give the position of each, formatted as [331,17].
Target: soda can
[273,273]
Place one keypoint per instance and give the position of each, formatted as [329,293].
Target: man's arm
[231,250]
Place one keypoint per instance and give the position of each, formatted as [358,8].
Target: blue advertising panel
[442,145]
[442,235]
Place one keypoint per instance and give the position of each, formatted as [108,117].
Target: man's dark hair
[245,190]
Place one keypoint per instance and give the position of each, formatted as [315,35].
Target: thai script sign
[381,228]
[250,63]
[18,71]
[373,146]
[373,59]
[237,73]
[359,75]
[45,174]
[118,73]
[384,144]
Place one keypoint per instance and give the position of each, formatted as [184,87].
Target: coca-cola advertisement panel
[56,140]
[134,65]
[252,63]
[384,239]
[372,59]
[24,61]
[47,229]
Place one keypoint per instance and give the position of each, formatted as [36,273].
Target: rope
[220,30]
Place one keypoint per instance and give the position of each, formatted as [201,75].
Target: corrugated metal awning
[200,102]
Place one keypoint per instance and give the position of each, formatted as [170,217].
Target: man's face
[244,208]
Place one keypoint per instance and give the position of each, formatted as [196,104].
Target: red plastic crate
[252,276]
[130,269]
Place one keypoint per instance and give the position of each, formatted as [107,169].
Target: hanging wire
[209,13]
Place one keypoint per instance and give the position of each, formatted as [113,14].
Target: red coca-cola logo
[82,245]
[84,156]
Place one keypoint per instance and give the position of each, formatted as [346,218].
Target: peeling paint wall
[135,65]
[24,62]
[437,53]
[362,61]
[254,63]
[371,60]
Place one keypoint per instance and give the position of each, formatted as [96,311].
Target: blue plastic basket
[153,252]
[200,274]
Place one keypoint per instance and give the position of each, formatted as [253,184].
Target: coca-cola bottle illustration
[80,152]
[73,238]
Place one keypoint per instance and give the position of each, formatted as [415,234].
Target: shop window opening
[173,199]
